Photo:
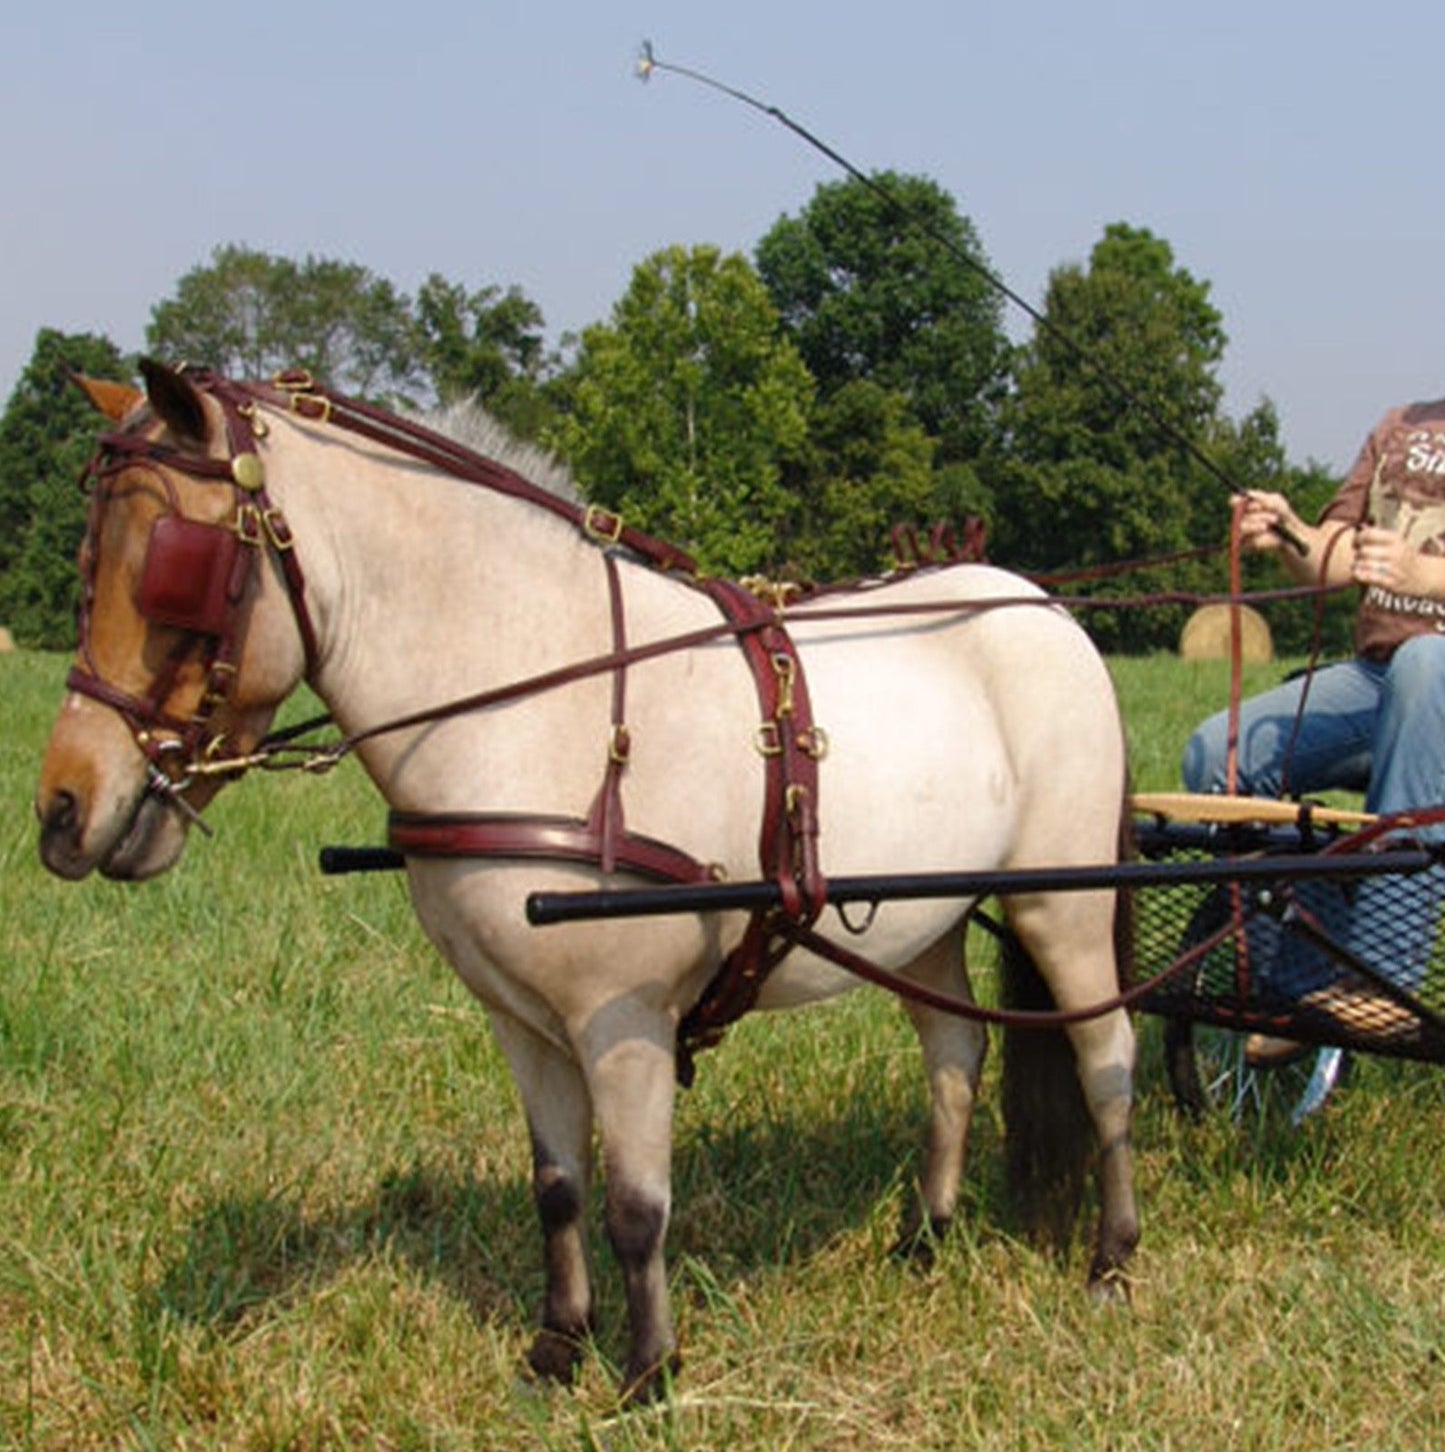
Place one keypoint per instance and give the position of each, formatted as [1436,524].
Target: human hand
[1267,520]
[1385,558]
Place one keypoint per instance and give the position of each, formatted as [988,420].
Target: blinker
[187,578]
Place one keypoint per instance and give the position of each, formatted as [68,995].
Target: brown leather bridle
[197,579]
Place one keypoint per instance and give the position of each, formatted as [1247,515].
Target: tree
[887,284]
[487,345]
[869,466]
[1116,398]
[47,433]
[250,314]
[683,410]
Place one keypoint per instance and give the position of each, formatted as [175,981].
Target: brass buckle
[249,524]
[219,680]
[277,530]
[315,407]
[601,525]
[255,526]
[813,743]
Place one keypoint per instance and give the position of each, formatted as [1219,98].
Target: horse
[547,700]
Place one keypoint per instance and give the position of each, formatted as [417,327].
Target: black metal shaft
[545,908]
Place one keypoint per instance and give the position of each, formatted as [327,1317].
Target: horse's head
[187,639]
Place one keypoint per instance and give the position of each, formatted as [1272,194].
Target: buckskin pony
[548,700]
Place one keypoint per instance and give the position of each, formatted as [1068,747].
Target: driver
[1374,723]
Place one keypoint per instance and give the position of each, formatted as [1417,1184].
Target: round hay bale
[1206,634]
[7,641]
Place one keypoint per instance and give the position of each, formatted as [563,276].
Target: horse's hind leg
[559,1118]
[1071,939]
[953,1053]
[1104,1050]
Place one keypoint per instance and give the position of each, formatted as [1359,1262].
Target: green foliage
[684,408]
[46,434]
[870,466]
[250,314]
[884,288]
[1115,399]
[785,418]
[486,344]
[869,293]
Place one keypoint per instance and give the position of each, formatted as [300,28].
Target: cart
[1300,948]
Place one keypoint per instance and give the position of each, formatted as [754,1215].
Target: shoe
[1360,1011]
[1266,1051]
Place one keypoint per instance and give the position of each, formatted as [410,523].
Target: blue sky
[1286,150]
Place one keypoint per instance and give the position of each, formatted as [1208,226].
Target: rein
[199,577]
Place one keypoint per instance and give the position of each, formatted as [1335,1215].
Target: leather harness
[788,739]
[791,745]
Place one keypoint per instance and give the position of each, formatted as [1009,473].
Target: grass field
[262,1185]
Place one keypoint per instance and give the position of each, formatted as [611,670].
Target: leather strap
[792,746]
[552,838]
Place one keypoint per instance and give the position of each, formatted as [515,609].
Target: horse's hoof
[650,1385]
[555,1356]
[1110,1288]
[917,1245]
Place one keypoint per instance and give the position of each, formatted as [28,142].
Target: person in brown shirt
[1374,723]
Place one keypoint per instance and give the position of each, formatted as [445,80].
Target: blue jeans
[1367,726]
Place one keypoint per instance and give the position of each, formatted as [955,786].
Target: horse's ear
[176,400]
[114,400]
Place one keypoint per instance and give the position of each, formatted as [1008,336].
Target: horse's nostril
[59,818]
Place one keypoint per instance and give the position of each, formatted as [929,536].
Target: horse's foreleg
[559,1117]
[632,1083]
[953,1053]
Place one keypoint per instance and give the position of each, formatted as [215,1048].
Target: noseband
[196,579]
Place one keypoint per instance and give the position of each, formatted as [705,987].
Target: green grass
[262,1185]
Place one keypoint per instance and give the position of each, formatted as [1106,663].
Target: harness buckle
[249,524]
[219,680]
[277,530]
[813,743]
[313,406]
[601,525]
[619,745]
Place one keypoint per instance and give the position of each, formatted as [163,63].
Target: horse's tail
[1050,1139]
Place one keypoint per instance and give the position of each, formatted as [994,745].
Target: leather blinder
[187,579]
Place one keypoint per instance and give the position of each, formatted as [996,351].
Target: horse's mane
[466,422]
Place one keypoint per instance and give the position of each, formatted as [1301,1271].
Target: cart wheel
[1208,1074]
